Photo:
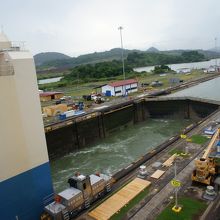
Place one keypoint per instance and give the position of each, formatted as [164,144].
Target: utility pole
[216,52]
[122,52]
[176,184]
[176,189]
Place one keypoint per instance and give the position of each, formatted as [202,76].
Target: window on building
[84,185]
[133,88]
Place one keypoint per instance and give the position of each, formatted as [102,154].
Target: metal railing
[15,46]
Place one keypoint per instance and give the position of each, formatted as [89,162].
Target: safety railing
[15,46]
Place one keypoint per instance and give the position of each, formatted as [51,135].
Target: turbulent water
[115,152]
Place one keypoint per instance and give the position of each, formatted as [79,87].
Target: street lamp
[176,184]
[216,52]
[122,52]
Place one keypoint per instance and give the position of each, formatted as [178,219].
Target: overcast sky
[77,27]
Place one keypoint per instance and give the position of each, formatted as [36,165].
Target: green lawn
[130,205]
[77,91]
[199,139]
[175,151]
[87,88]
[191,208]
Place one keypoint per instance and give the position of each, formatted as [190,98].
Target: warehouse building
[120,88]
[47,96]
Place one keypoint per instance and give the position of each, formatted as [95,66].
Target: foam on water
[115,152]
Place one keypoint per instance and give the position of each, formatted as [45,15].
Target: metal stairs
[108,187]
[86,200]
[65,214]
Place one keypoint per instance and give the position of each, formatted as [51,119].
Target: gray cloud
[77,27]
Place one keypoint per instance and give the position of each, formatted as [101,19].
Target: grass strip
[199,139]
[191,208]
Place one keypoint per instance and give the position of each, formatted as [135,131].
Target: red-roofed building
[47,96]
[120,88]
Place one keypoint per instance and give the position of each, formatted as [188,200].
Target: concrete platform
[157,174]
[169,161]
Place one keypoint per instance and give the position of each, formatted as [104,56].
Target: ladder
[86,200]
[108,187]
[65,214]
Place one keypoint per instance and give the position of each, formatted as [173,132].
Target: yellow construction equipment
[206,166]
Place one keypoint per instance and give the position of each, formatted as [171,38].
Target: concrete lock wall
[116,120]
[86,132]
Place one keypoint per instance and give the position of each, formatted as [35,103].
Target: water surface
[195,65]
[207,90]
[50,80]
[115,152]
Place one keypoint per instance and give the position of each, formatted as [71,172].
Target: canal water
[50,80]
[115,152]
[207,90]
[195,65]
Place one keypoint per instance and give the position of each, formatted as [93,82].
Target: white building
[183,70]
[211,69]
[120,88]
[25,179]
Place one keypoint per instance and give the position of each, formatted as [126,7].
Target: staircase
[108,187]
[86,200]
[65,214]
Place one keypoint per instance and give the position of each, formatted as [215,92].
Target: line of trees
[135,59]
[98,70]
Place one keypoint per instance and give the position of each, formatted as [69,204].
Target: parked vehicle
[99,99]
[87,97]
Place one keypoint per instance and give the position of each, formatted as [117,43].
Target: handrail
[208,149]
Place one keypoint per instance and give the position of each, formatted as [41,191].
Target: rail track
[131,171]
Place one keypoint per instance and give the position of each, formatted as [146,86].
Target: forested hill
[41,58]
[153,57]
[96,57]
[135,59]
[150,59]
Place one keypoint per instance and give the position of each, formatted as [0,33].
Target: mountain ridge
[40,58]
[113,54]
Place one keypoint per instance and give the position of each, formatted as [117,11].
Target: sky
[77,27]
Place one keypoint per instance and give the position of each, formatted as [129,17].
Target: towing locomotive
[82,191]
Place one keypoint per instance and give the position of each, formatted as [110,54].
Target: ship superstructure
[25,180]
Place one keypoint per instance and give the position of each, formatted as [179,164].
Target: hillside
[151,58]
[41,58]
[109,69]
[207,53]
[152,50]
[96,57]
[217,49]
